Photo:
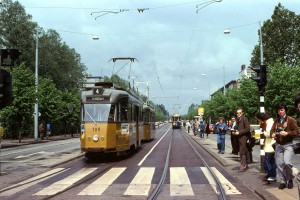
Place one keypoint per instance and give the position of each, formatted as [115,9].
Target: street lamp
[36,105]
[95,37]
[208,86]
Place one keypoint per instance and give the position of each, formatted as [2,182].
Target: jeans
[221,139]
[201,134]
[270,165]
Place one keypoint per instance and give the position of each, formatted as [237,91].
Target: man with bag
[284,130]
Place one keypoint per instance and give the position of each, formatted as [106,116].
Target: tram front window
[96,112]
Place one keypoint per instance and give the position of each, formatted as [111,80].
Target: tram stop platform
[253,176]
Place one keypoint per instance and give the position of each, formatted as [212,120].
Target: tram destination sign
[97,98]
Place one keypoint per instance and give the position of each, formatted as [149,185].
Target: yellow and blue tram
[176,120]
[149,123]
[111,119]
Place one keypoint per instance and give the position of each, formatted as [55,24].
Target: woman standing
[267,122]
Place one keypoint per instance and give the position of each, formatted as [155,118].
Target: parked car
[255,130]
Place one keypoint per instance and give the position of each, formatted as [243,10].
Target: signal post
[261,80]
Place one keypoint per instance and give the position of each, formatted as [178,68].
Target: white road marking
[66,182]
[141,162]
[228,187]
[141,183]
[29,182]
[32,154]
[210,178]
[102,183]
[180,184]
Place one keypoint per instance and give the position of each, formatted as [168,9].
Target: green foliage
[19,115]
[281,39]
[282,87]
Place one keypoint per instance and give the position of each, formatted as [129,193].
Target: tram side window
[111,116]
[129,113]
[124,112]
[146,117]
[134,113]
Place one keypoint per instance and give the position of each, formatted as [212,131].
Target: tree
[282,87]
[19,115]
[57,60]
[281,39]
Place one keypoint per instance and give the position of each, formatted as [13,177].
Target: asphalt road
[129,177]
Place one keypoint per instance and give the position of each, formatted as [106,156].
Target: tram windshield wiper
[90,116]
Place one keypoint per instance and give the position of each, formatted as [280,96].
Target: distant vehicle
[256,129]
[176,120]
[211,127]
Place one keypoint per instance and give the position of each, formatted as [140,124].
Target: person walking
[207,130]
[284,130]
[233,138]
[188,124]
[42,130]
[195,127]
[221,130]
[266,121]
[242,132]
[202,129]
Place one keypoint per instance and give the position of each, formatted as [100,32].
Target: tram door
[123,128]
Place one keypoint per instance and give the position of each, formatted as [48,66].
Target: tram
[111,119]
[176,120]
[149,123]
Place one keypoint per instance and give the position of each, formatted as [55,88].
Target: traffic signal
[8,57]
[260,78]
[5,89]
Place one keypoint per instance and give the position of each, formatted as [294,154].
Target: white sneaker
[271,179]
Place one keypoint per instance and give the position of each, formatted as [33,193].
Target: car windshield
[255,127]
[96,112]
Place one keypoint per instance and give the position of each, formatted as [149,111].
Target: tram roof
[107,92]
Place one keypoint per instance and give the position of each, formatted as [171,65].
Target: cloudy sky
[180,45]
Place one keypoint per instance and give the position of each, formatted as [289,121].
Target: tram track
[155,192]
[221,192]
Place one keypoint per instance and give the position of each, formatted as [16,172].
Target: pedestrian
[179,123]
[242,132]
[195,126]
[207,130]
[234,138]
[188,124]
[48,130]
[42,130]
[266,121]
[284,130]
[201,129]
[221,130]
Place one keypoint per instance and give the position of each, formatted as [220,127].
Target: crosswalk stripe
[180,184]
[30,182]
[66,182]
[141,183]
[228,187]
[210,178]
[102,183]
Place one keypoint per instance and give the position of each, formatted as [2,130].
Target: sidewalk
[7,143]
[252,177]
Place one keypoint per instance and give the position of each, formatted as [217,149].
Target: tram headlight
[95,138]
